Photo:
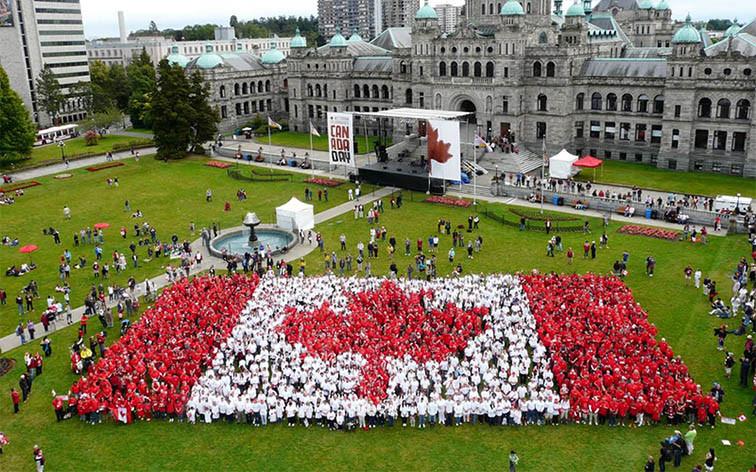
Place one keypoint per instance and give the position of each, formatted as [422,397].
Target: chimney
[122,27]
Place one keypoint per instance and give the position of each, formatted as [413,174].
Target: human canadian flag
[510,348]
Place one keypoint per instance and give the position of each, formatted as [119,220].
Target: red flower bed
[457,202]
[324,182]
[384,323]
[218,164]
[604,353]
[153,367]
[19,186]
[650,232]
[107,165]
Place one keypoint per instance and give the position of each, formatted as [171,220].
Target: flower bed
[324,182]
[457,202]
[19,186]
[63,176]
[218,164]
[649,232]
[107,165]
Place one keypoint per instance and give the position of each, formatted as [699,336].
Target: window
[595,130]
[611,102]
[638,157]
[236,89]
[579,129]
[542,38]
[224,111]
[704,108]
[627,102]
[542,102]
[642,104]
[403,67]
[596,101]
[742,109]
[421,100]
[624,131]
[454,71]
[222,91]
[540,130]
[720,140]
[408,97]
[365,91]
[675,138]
[656,134]
[238,109]
[678,110]
[478,69]
[579,101]
[716,166]
[245,89]
[640,132]
[738,141]
[536,69]
[659,104]
[385,93]
[727,71]
[671,164]
[623,156]
[607,154]
[723,108]
[465,69]
[506,72]
[747,72]
[609,130]
[698,165]
[442,69]
[505,105]
[356,91]
[707,71]
[702,139]
[376,92]
[550,69]
[490,69]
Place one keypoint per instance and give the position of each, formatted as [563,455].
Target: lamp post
[543,168]
[62,146]
[737,205]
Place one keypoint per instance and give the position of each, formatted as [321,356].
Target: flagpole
[475,171]
[312,160]
[270,144]
[543,169]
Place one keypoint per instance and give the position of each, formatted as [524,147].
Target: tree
[141,81]
[119,87]
[233,21]
[205,118]
[153,27]
[172,114]
[49,97]
[98,121]
[100,89]
[18,130]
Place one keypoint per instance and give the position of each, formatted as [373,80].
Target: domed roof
[338,41]
[732,30]
[272,55]
[662,5]
[209,60]
[298,41]
[512,7]
[687,34]
[178,59]
[426,12]
[645,4]
[355,37]
[575,10]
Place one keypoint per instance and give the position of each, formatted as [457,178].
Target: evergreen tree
[49,96]
[119,87]
[172,114]
[100,88]
[205,118]
[141,83]
[18,131]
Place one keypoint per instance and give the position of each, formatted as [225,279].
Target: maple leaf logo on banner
[438,150]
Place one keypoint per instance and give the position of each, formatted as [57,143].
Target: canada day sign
[340,139]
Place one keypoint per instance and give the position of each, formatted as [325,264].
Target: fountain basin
[237,242]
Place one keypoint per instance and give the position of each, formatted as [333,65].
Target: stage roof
[416,114]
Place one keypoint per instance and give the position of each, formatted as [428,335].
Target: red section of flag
[387,322]
[153,367]
[603,349]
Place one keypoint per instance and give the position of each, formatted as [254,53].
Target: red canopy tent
[589,162]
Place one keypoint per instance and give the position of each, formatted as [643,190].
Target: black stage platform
[405,173]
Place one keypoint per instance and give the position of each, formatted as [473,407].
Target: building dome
[177,59]
[662,5]
[209,60]
[687,34]
[575,10]
[512,7]
[732,30]
[355,37]
[338,41]
[426,12]
[298,41]
[272,56]
[645,4]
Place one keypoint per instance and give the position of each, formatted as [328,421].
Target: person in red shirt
[83,323]
[16,399]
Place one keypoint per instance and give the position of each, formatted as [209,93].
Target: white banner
[341,139]
[444,150]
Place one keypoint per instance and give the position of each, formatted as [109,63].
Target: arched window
[222,91]
[454,71]
[483,9]
[542,38]
[376,93]
[611,102]
[385,92]
[259,86]
[542,102]
[642,104]
[490,69]
[704,108]
[245,90]
[438,101]
[536,69]
[318,91]
[408,97]
[356,91]
[236,89]
[442,69]
[659,104]
[403,67]
[267,85]
[465,69]
[477,69]
[550,69]
[365,91]
[580,101]
[723,108]
[627,102]
[309,90]
[252,88]
[325,91]
[742,109]
[596,101]
[490,9]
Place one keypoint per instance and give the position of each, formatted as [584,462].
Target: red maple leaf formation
[387,322]
[438,150]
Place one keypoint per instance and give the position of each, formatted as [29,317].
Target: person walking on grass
[513,460]
[39,458]
[16,399]
[570,255]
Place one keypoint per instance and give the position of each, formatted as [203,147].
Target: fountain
[251,221]
[253,236]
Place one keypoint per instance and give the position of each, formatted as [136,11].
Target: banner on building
[341,139]
[444,150]
[6,13]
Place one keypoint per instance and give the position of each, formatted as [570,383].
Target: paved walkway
[301,250]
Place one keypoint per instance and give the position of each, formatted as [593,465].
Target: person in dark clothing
[663,458]
[25,385]
[678,449]
[650,465]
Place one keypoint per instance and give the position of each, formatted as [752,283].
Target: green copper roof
[575,10]
[645,4]
[298,41]
[662,5]
[687,34]
[209,60]
[426,12]
[732,30]
[338,41]
[178,59]
[272,56]
[512,7]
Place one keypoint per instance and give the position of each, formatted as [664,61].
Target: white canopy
[416,114]
[295,215]
[560,166]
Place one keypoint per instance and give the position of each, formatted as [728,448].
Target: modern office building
[398,13]
[448,17]
[364,17]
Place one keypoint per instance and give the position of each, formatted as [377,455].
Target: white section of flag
[273,124]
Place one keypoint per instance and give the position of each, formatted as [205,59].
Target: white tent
[560,166]
[295,215]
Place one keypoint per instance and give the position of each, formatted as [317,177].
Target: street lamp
[62,146]
[737,205]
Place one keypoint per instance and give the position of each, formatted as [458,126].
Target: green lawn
[139,130]
[646,176]
[302,141]
[172,194]
[51,153]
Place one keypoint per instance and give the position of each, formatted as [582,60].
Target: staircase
[525,161]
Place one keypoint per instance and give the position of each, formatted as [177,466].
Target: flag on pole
[314,130]
[273,124]
[479,141]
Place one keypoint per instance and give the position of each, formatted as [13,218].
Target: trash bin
[649,213]
[555,200]
[560,202]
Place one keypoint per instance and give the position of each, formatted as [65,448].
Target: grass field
[302,141]
[173,194]
[646,176]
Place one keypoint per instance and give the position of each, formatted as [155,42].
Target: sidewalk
[301,250]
